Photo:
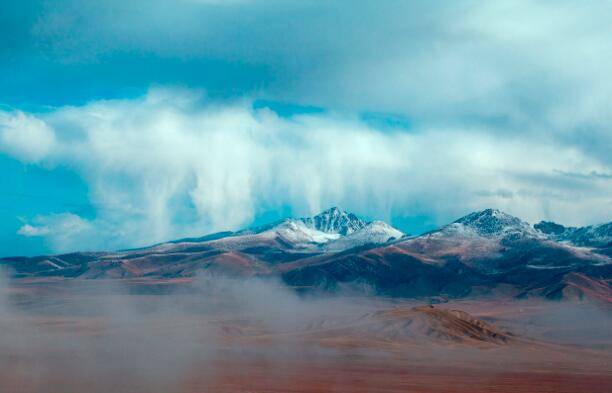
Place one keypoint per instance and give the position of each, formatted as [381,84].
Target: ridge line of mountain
[484,252]
[334,226]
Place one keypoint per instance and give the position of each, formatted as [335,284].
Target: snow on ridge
[297,231]
[333,230]
[377,232]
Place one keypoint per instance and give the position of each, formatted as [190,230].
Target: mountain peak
[332,211]
[335,220]
[488,215]
[494,222]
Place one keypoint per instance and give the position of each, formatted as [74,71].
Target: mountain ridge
[488,222]
[479,253]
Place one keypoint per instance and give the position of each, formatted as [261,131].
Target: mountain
[305,232]
[485,253]
[330,230]
[491,223]
[335,221]
[589,236]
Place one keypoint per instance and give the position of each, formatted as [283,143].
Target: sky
[124,124]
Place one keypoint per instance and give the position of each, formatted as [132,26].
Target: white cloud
[535,68]
[30,230]
[66,232]
[171,164]
[25,136]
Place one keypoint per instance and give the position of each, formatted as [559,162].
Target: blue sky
[128,123]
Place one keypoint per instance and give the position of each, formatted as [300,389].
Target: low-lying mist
[64,336]
[102,335]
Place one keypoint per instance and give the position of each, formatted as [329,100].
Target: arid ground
[60,336]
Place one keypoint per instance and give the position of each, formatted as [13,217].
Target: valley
[241,335]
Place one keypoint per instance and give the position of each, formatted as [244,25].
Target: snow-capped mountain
[491,223]
[376,232]
[483,251]
[330,230]
[336,230]
[589,236]
[336,221]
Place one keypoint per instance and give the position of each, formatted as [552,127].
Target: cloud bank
[527,68]
[173,163]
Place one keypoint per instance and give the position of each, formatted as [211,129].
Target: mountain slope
[377,232]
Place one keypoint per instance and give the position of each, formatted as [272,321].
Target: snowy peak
[589,236]
[495,223]
[332,230]
[334,220]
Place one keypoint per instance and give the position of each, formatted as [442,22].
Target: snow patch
[376,232]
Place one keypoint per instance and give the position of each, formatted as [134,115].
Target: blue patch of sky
[414,225]
[27,191]
[266,216]
[284,109]
[34,81]
[386,121]
[411,225]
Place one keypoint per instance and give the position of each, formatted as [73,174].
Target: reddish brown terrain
[63,336]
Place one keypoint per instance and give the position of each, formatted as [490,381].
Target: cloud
[529,69]
[30,230]
[172,164]
[503,61]
[496,193]
[25,137]
[65,232]
[594,176]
